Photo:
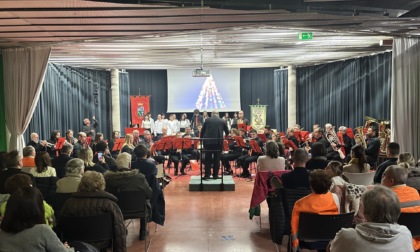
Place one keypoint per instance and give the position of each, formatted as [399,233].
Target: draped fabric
[342,93]
[405,104]
[280,99]
[24,71]
[153,83]
[258,83]
[68,96]
[124,100]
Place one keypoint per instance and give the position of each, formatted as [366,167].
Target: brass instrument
[333,138]
[359,137]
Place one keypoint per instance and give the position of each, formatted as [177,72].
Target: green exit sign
[305,35]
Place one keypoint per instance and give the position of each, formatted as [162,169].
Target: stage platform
[212,184]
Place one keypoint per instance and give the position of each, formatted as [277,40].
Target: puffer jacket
[94,203]
[126,180]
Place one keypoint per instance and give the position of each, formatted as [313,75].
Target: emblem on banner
[140,109]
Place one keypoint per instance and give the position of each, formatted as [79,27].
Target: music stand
[118,144]
[288,143]
[60,143]
[182,143]
[88,141]
[240,141]
[242,126]
[255,147]
[262,137]
[304,135]
[350,133]
[225,145]
[298,136]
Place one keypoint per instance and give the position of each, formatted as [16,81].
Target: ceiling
[183,34]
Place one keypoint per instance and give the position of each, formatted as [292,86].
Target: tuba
[359,137]
[333,138]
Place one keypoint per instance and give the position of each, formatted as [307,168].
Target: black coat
[213,128]
[59,163]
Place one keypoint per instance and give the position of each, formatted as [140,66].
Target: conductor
[213,128]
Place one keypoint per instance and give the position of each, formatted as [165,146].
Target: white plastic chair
[360,178]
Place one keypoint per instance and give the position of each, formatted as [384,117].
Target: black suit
[213,128]
[196,119]
[7,173]
[59,163]
[372,150]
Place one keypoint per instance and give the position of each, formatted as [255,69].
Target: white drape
[24,71]
[405,98]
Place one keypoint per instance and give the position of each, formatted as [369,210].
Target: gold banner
[258,116]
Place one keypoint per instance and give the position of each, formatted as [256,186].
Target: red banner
[140,105]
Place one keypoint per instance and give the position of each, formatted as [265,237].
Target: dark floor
[207,221]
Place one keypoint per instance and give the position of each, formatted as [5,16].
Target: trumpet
[359,138]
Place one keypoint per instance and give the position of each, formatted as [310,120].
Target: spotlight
[386,14]
[356,12]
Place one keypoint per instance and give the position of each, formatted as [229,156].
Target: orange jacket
[28,162]
[313,203]
[408,193]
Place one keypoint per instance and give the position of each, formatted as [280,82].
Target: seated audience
[91,199]
[381,231]
[318,157]
[271,160]
[43,166]
[87,156]
[320,201]
[128,146]
[13,163]
[102,147]
[19,181]
[392,153]
[406,160]
[149,170]
[395,178]
[23,226]
[28,159]
[335,171]
[44,174]
[358,162]
[299,177]
[126,179]
[59,163]
[69,184]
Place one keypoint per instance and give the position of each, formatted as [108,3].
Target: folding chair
[317,230]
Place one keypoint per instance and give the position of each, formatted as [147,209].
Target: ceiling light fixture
[386,13]
[356,13]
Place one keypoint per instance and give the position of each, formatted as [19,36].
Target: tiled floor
[207,221]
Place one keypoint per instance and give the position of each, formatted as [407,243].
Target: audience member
[271,161]
[320,201]
[59,163]
[102,147]
[91,199]
[13,163]
[392,152]
[395,178]
[406,160]
[381,231]
[45,175]
[28,159]
[335,171]
[358,162]
[318,157]
[126,179]
[74,170]
[87,156]
[299,177]
[19,181]
[23,226]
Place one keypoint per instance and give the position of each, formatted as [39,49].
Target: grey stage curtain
[280,99]
[124,100]
[405,104]
[68,96]
[153,83]
[258,83]
[342,93]
[24,72]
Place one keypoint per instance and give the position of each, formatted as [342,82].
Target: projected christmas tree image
[209,97]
